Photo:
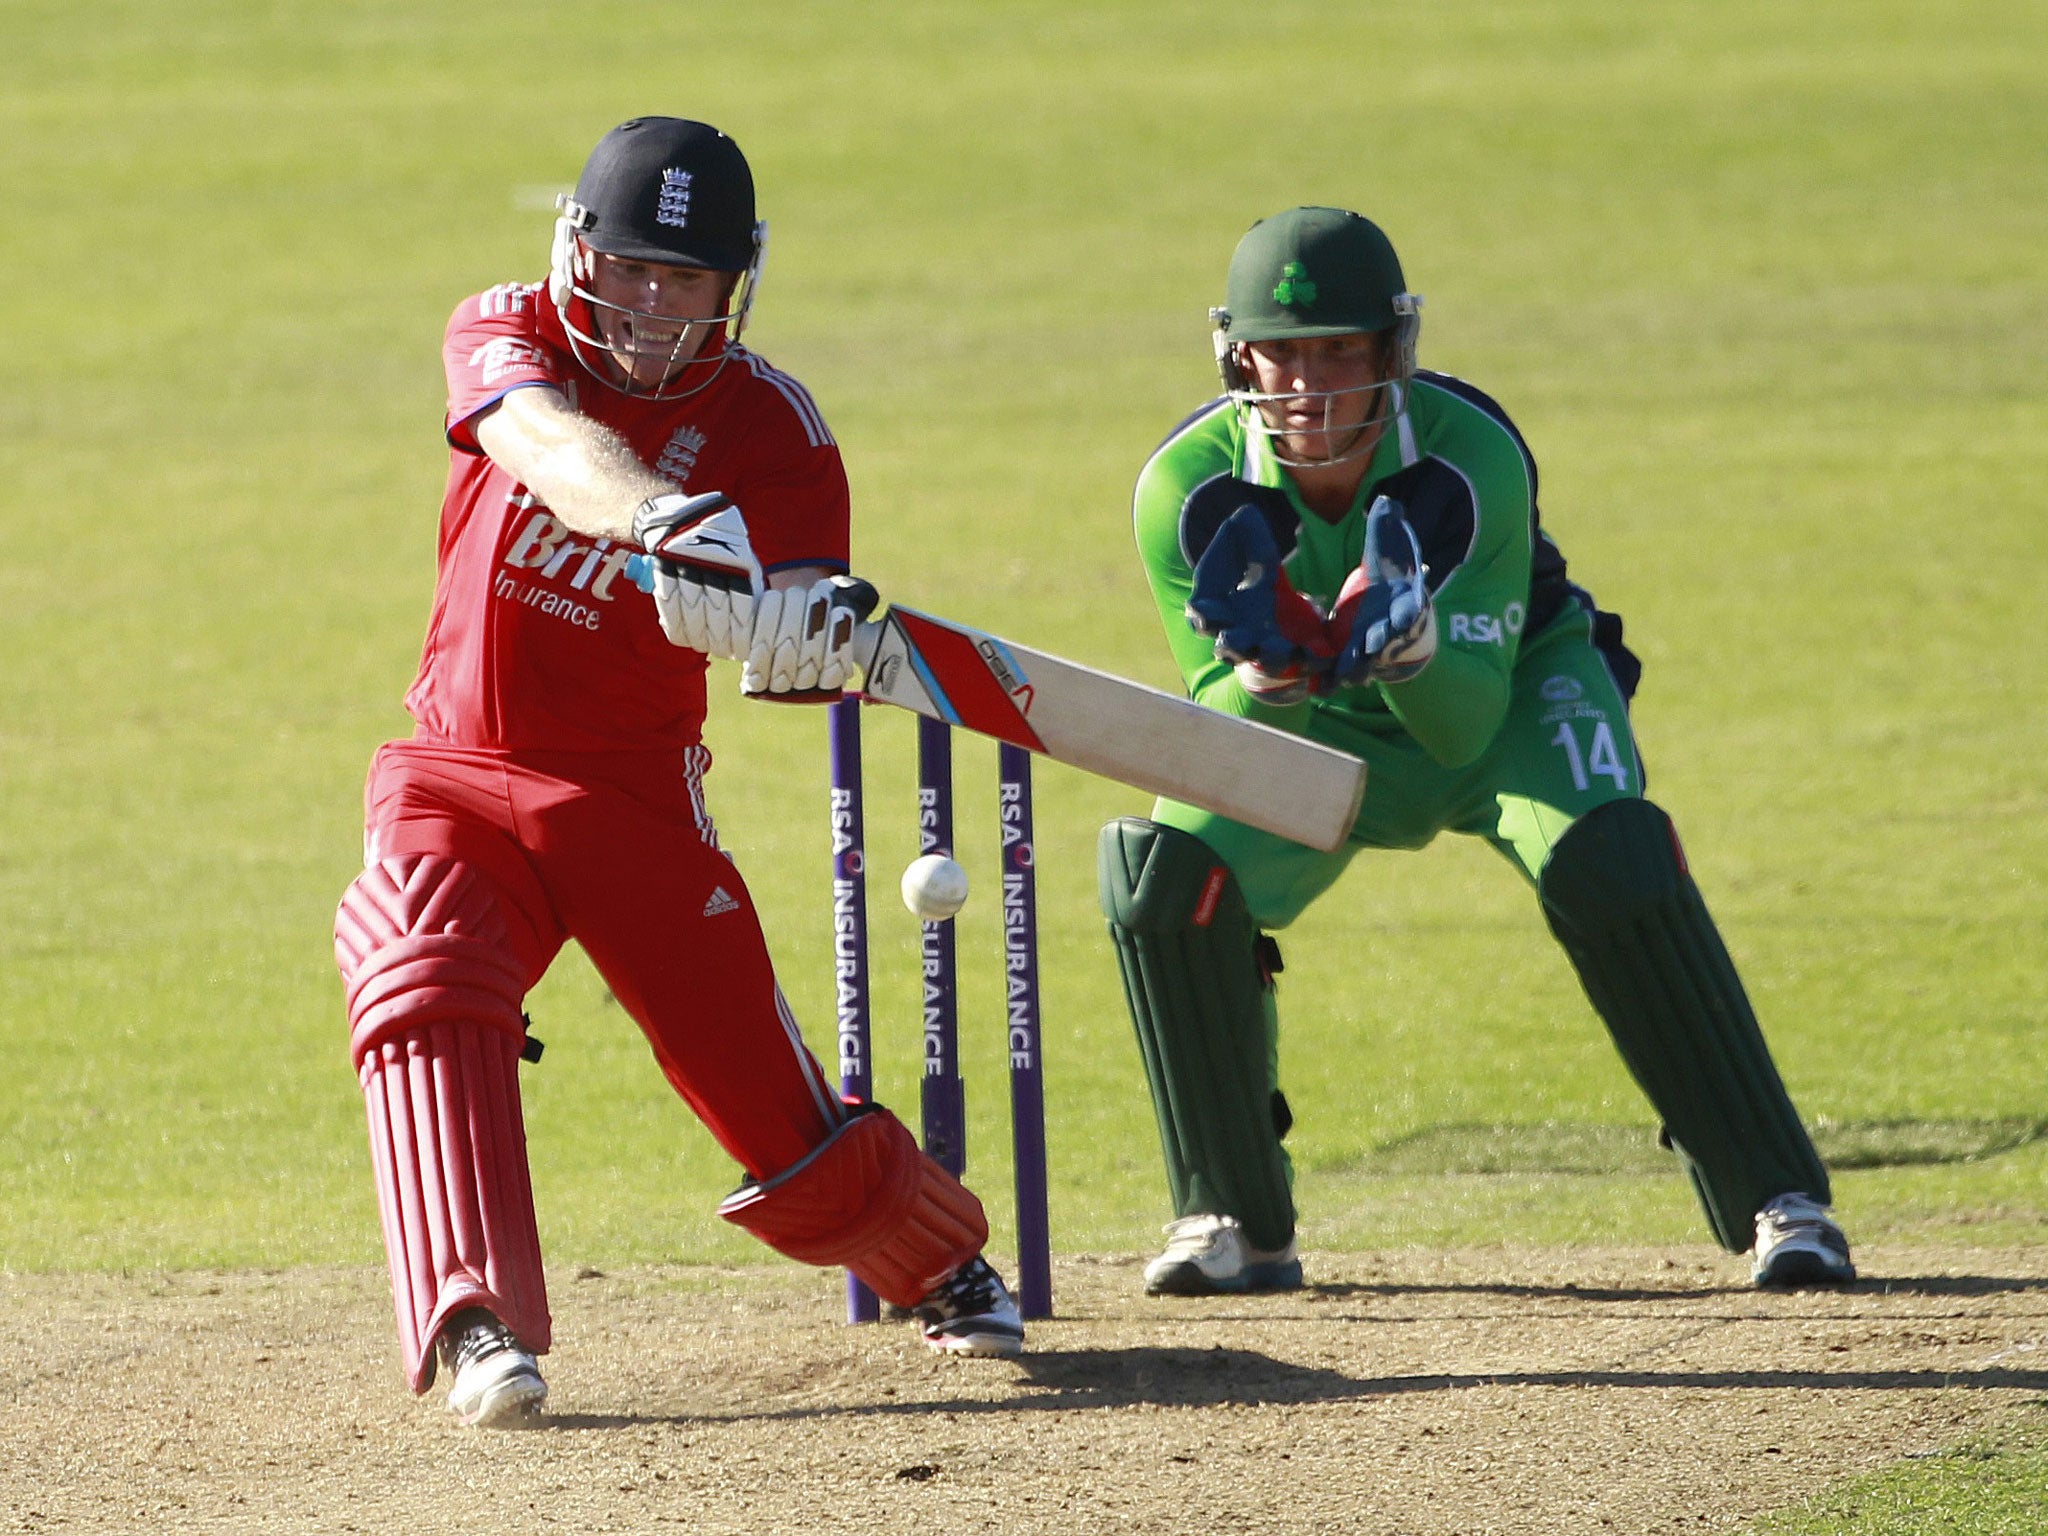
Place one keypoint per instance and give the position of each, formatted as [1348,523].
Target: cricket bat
[1151,740]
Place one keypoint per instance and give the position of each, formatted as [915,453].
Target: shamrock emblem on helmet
[1294,286]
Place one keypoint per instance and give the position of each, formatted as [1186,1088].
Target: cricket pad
[868,1199]
[436,1033]
[1188,952]
[1617,894]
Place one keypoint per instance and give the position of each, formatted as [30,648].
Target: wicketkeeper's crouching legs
[434,992]
[1618,896]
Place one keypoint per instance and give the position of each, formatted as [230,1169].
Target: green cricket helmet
[1313,272]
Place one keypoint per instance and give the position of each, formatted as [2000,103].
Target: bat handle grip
[857,594]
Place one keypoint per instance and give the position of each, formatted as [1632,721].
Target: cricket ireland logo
[1294,286]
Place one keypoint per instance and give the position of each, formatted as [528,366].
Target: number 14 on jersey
[1600,758]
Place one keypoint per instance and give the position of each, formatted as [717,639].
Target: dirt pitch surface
[1412,1393]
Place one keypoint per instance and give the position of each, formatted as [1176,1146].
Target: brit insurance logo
[560,574]
[674,206]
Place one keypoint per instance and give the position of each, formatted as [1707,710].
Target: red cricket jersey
[537,639]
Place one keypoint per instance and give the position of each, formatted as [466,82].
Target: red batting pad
[945,1227]
[436,1032]
[420,937]
[869,1199]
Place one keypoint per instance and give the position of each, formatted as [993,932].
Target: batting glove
[705,579]
[802,639]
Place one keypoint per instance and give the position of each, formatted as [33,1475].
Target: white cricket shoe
[971,1314]
[1208,1255]
[497,1382]
[1798,1243]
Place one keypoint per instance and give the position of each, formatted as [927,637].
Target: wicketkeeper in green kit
[1348,547]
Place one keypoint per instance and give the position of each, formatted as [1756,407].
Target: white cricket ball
[934,887]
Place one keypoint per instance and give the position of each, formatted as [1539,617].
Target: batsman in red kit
[553,787]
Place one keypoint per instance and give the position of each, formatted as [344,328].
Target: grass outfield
[1765,291]
[1764,286]
[1988,1486]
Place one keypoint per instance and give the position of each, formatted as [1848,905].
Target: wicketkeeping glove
[1261,625]
[705,579]
[802,640]
[1384,620]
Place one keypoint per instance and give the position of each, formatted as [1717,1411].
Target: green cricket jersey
[1468,484]
[1517,726]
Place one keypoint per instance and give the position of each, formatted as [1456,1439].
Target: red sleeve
[493,346]
[793,490]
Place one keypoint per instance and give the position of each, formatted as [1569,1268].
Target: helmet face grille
[636,351]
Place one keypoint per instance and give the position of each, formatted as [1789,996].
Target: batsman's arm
[583,471]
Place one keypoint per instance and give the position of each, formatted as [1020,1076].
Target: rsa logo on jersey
[572,574]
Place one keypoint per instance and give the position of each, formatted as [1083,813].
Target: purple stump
[943,1100]
[1027,1082]
[850,937]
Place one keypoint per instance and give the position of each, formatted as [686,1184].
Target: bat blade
[1155,741]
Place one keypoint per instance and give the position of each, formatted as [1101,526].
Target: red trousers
[615,851]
